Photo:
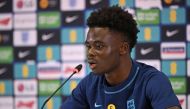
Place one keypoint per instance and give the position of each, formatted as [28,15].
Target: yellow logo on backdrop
[111,106]
[49,53]
[50,104]
[168,1]
[2,87]
[25,71]
[122,2]
[147,34]
[44,4]
[173,15]
[73,36]
[73,85]
[173,68]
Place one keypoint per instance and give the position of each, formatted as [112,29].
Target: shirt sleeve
[160,93]
[77,100]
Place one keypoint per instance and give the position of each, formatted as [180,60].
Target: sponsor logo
[72,5]
[173,50]
[49,70]
[174,68]
[2,70]
[53,103]
[73,53]
[149,34]
[173,33]
[75,35]
[74,18]
[3,3]
[24,38]
[47,87]
[48,4]
[70,86]
[49,20]
[25,70]
[150,16]
[6,87]
[154,63]
[173,2]
[25,87]
[6,38]
[6,6]
[147,51]
[6,102]
[5,21]
[70,19]
[188,67]
[6,54]
[188,50]
[67,70]
[23,21]
[26,102]
[94,2]
[178,84]
[24,5]
[147,4]
[48,53]
[49,36]
[25,53]
[182,101]
[188,32]
[173,16]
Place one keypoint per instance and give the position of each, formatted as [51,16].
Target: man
[116,81]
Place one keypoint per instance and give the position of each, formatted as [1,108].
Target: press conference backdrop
[42,40]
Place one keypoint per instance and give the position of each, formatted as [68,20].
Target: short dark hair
[116,19]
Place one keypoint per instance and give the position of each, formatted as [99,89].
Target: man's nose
[91,52]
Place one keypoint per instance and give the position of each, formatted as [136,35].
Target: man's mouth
[92,64]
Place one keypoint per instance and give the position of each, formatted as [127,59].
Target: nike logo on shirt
[97,105]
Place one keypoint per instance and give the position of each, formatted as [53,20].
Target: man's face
[103,50]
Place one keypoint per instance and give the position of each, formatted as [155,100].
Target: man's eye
[99,46]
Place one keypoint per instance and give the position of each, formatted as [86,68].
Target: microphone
[76,70]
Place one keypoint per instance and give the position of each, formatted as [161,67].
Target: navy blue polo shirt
[145,88]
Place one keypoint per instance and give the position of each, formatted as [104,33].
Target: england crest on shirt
[131,104]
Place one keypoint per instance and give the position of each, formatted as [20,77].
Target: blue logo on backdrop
[25,37]
[131,104]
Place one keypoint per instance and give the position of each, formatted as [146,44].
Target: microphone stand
[57,90]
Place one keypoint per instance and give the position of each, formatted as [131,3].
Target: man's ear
[124,48]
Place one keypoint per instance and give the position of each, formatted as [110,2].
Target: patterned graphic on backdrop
[41,41]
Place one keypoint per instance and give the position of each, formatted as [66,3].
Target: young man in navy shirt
[117,81]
